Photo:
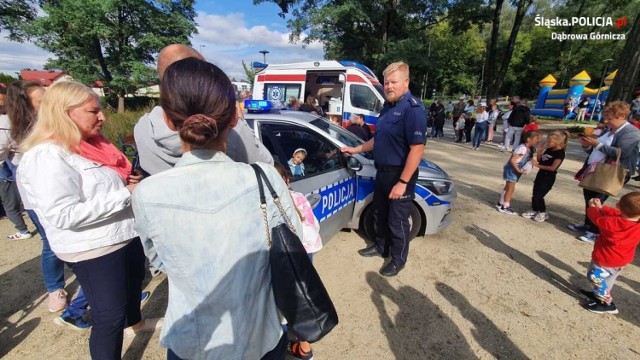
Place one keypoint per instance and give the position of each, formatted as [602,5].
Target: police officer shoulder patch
[414,102]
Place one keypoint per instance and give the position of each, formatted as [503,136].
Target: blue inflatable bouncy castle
[551,102]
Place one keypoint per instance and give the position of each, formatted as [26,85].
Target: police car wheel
[415,222]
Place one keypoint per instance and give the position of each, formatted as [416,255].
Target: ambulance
[341,87]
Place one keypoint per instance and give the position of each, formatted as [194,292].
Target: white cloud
[226,41]
[223,39]
[15,56]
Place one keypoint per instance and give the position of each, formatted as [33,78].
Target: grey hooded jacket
[159,147]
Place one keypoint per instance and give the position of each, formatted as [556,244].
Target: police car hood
[430,170]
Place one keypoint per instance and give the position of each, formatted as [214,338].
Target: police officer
[398,145]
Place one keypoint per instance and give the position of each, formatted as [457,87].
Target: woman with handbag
[621,140]
[201,223]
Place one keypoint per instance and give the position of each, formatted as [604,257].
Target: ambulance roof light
[359,66]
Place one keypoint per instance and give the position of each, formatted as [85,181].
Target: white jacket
[82,205]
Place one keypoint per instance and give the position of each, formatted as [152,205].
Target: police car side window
[362,97]
[321,154]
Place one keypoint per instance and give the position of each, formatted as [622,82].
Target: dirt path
[489,286]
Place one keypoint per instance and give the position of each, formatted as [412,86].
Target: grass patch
[119,126]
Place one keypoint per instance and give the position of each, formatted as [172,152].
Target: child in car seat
[295,163]
[312,243]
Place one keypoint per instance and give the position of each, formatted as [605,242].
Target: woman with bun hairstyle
[201,224]
[79,185]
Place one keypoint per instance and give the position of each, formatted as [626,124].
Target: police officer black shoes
[371,251]
[390,270]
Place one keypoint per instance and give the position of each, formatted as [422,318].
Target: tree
[628,66]
[6,79]
[14,13]
[110,40]
[250,72]
[495,84]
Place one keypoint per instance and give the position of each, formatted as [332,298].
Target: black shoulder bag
[299,293]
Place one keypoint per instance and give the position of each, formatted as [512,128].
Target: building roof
[43,77]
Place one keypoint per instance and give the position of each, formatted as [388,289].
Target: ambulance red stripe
[281,77]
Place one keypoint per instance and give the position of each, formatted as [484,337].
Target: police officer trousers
[392,216]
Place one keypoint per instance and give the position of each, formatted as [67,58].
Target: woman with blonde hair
[79,185]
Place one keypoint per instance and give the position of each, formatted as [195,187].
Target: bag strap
[262,178]
[618,153]
[263,205]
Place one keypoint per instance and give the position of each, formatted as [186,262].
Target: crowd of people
[95,213]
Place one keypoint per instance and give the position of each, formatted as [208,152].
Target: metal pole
[595,102]
[264,55]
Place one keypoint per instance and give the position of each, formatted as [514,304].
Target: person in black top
[398,146]
[438,116]
[582,109]
[310,106]
[355,126]
[548,161]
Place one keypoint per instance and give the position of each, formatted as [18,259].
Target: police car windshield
[337,132]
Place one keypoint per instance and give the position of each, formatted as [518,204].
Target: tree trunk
[523,7]
[563,44]
[490,65]
[120,102]
[628,67]
[389,11]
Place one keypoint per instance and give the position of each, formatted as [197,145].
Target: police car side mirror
[354,164]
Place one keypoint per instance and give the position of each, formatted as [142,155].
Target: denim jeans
[516,133]
[479,135]
[53,272]
[52,267]
[112,284]
[12,204]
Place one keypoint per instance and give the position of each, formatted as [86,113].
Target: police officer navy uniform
[398,145]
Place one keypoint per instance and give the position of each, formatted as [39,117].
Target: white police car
[340,188]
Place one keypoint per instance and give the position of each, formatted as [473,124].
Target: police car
[340,188]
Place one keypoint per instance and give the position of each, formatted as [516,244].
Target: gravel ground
[488,286]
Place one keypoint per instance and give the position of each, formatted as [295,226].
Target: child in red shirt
[531,126]
[613,250]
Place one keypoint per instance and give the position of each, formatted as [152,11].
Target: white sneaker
[20,235]
[529,214]
[541,217]
[588,237]
[150,325]
[507,210]
[577,227]
[57,301]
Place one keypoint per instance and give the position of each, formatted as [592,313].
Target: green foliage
[445,42]
[6,79]
[111,40]
[120,125]
[250,72]
[14,13]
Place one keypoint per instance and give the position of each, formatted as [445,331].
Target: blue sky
[228,32]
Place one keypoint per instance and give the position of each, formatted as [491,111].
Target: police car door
[326,181]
